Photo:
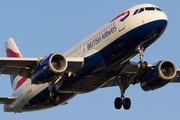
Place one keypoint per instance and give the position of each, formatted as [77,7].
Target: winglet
[11,49]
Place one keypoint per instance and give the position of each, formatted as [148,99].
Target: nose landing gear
[140,50]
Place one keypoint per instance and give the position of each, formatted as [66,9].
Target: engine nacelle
[52,66]
[158,76]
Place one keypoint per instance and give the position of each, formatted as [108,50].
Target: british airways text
[100,38]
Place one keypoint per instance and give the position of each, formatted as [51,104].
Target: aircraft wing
[26,66]
[17,66]
[132,71]
[177,78]
[6,100]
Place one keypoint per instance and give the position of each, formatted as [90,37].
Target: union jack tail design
[13,51]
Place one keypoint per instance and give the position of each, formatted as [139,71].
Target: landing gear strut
[126,102]
[140,50]
[53,97]
[123,82]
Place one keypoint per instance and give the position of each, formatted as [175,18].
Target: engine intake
[159,75]
[52,66]
[167,70]
[58,63]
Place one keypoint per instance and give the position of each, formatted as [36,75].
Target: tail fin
[13,51]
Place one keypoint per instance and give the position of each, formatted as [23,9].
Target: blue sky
[43,27]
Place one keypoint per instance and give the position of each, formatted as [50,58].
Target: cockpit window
[141,10]
[149,8]
[136,11]
[158,9]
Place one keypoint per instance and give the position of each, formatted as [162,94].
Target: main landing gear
[123,85]
[52,98]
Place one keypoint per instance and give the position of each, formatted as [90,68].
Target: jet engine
[159,75]
[49,69]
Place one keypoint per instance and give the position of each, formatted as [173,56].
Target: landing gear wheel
[144,65]
[140,64]
[118,103]
[127,104]
[56,100]
[46,99]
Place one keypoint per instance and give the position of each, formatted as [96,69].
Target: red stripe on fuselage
[11,53]
[20,82]
[122,14]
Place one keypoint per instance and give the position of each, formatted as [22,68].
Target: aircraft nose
[162,16]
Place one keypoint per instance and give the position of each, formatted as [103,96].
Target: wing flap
[15,71]
[6,100]
[74,64]
[18,66]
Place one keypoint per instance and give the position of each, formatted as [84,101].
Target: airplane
[100,60]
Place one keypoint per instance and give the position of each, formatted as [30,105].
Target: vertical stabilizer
[13,51]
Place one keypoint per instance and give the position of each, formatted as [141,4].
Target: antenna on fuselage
[135,4]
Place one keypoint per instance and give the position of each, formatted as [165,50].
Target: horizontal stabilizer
[6,100]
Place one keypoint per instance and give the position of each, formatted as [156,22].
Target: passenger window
[141,10]
[149,8]
[158,9]
[135,11]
